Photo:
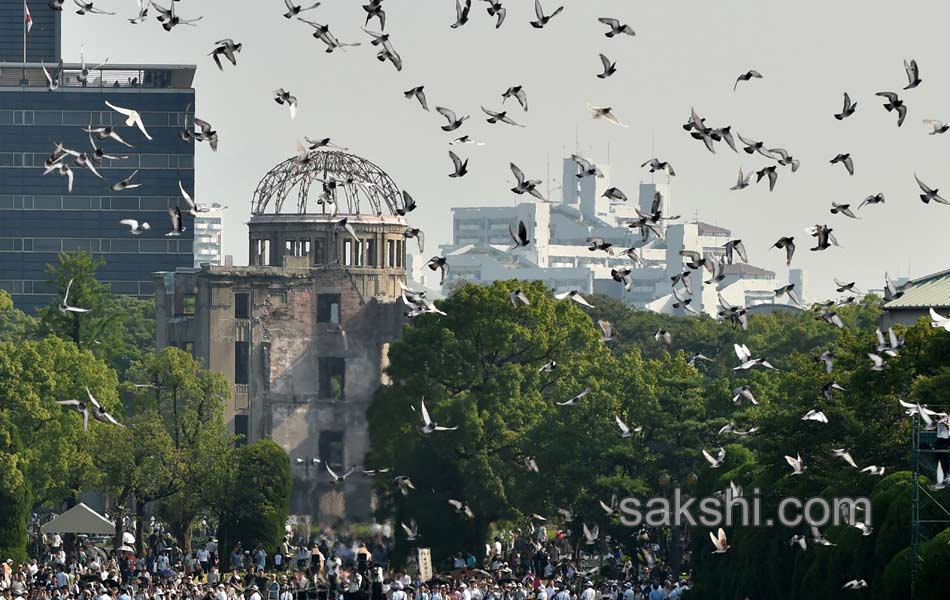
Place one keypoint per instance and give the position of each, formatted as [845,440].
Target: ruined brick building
[302,333]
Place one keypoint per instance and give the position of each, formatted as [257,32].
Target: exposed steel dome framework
[346,184]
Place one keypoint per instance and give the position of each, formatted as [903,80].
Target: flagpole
[24,33]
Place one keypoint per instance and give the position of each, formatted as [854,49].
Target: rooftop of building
[745,270]
[326,218]
[765,308]
[351,183]
[928,291]
[294,266]
[20,75]
[712,230]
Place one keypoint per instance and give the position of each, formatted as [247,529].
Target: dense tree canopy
[46,452]
[15,325]
[172,447]
[478,368]
[189,401]
[258,499]
[118,329]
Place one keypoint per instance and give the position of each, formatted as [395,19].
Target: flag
[29,17]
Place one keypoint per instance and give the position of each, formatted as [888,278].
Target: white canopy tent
[80,519]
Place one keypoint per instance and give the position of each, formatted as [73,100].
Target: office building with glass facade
[40,218]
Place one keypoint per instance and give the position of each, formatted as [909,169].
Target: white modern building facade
[559,253]
[209,233]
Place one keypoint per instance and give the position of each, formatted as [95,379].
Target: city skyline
[678,67]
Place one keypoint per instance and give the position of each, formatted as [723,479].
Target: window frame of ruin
[325,303]
[332,449]
[370,252]
[331,369]
[242,305]
[242,363]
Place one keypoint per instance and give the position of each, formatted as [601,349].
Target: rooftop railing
[146,77]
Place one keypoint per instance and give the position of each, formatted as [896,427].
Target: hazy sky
[686,53]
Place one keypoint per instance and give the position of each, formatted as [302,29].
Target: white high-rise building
[560,255]
[209,232]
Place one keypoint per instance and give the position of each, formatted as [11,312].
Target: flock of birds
[92,160]
[647,224]
[887,345]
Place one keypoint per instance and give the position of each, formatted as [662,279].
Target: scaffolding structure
[925,453]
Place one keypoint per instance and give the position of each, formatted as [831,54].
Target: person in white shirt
[475,591]
[287,592]
[220,593]
[255,593]
[588,593]
[398,594]
[204,558]
[356,582]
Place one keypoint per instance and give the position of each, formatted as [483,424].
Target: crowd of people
[330,568]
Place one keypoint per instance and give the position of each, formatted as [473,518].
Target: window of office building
[153,161]
[358,253]
[332,377]
[328,308]
[47,117]
[331,449]
[153,246]
[242,360]
[124,246]
[47,245]
[391,253]
[241,308]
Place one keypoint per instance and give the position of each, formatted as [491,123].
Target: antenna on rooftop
[548,177]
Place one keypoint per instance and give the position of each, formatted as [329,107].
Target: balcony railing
[144,77]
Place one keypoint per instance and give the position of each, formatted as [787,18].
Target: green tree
[190,402]
[119,329]
[136,466]
[15,325]
[16,500]
[54,450]
[934,579]
[86,292]
[258,499]
[477,368]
